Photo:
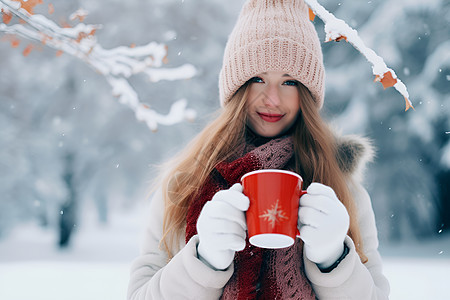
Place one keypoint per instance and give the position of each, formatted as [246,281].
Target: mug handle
[302,192]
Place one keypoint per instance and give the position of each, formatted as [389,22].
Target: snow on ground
[418,278]
[49,280]
[96,267]
[410,279]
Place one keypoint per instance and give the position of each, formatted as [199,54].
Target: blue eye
[256,79]
[291,82]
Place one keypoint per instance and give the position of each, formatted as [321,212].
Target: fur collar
[354,153]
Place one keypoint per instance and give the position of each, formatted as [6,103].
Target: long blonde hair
[315,159]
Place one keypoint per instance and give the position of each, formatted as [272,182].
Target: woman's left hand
[323,224]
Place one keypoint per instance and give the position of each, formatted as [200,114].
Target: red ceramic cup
[274,198]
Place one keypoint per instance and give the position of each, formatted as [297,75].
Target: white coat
[186,277]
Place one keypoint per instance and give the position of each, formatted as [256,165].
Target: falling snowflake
[274,214]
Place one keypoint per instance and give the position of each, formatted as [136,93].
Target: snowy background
[76,165]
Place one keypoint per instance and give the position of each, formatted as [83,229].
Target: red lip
[270,117]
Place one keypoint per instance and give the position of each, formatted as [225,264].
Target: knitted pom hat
[273,35]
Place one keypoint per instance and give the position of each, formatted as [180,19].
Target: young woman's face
[273,103]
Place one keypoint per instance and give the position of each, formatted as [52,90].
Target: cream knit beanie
[273,35]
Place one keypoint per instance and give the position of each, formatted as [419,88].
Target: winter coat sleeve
[352,279]
[183,277]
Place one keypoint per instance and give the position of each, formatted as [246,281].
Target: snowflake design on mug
[274,214]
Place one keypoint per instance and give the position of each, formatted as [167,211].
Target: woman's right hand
[221,227]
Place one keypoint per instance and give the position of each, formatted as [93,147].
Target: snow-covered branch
[117,65]
[336,30]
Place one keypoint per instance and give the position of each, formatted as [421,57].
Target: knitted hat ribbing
[273,35]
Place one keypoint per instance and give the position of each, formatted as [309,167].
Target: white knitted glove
[323,224]
[221,227]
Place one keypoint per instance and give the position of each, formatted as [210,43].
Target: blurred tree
[66,140]
[51,106]
[404,181]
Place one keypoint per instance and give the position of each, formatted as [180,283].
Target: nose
[272,96]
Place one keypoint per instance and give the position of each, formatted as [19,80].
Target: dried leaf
[51,9]
[133,45]
[83,35]
[27,50]
[46,38]
[80,14]
[7,16]
[15,42]
[29,5]
[312,15]
[338,39]
[65,24]
[59,53]
[342,37]
[408,104]
[387,80]
[165,60]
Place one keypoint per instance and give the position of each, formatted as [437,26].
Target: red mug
[274,199]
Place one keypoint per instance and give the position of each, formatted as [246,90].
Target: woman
[271,89]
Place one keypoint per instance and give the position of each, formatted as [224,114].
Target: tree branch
[336,30]
[117,65]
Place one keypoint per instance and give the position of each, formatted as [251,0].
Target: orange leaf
[59,53]
[80,14]
[338,39]
[312,15]
[342,37]
[80,17]
[387,80]
[133,45]
[408,104]
[83,35]
[7,16]
[27,50]
[51,9]
[29,5]
[15,42]
[165,60]
[65,24]
[46,38]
